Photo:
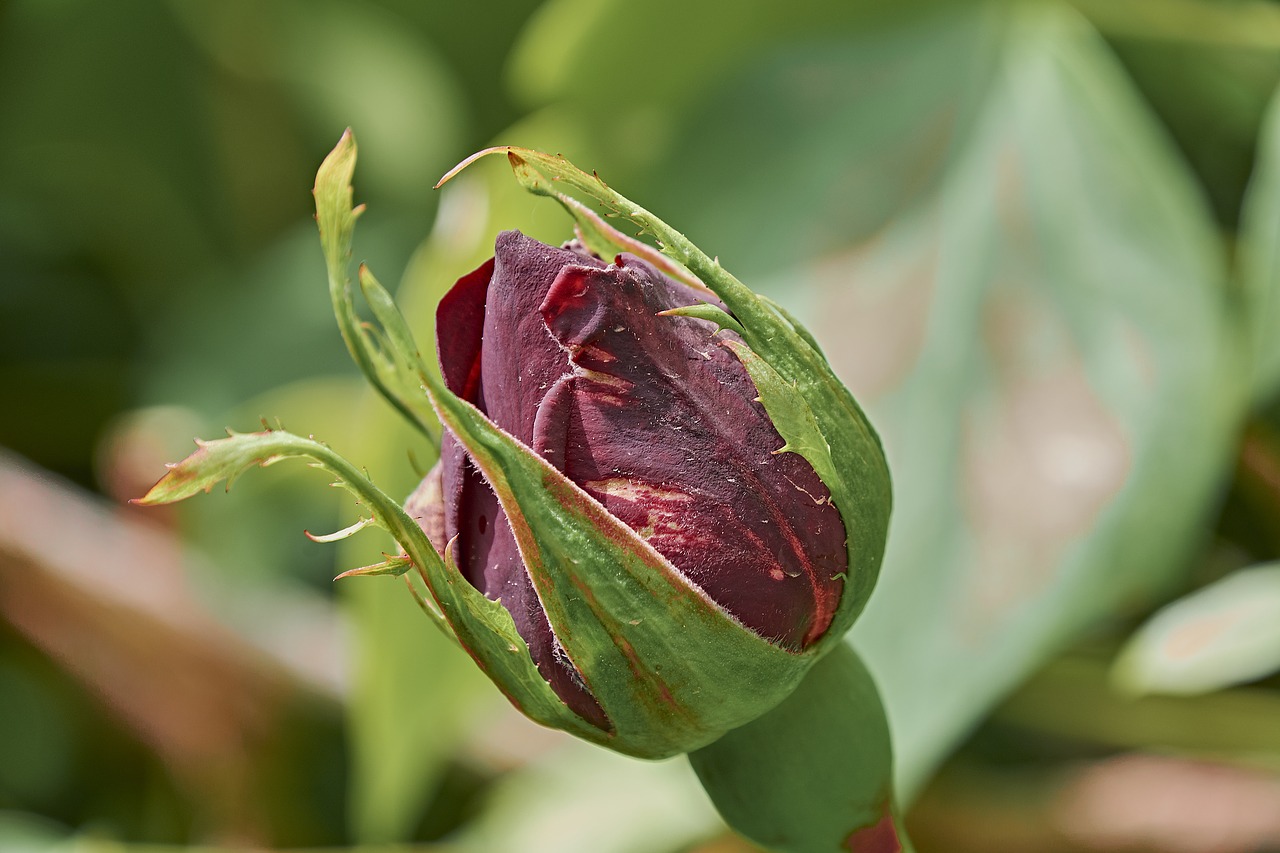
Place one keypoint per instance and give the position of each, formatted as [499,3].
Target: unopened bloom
[656,507]
[650,414]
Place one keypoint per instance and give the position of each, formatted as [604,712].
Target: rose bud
[656,504]
[655,508]
[650,415]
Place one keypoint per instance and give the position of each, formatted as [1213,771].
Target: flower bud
[656,507]
[651,415]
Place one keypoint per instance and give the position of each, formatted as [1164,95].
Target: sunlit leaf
[1047,355]
[1218,636]
[1040,330]
[559,804]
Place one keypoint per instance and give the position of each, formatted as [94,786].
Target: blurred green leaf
[29,833]
[414,697]
[1210,97]
[1260,259]
[1048,358]
[1040,329]
[345,65]
[416,694]
[560,56]
[1241,23]
[817,121]
[36,736]
[1218,636]
[822,139]
[581,799]
[1074,698]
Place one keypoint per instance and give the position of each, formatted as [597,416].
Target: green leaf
[814,774]
[1038,345]
[1260,260]
[1216,637]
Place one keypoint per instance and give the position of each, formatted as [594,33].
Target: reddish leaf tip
[449,175]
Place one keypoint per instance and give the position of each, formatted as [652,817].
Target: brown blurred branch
[1073,698]
[106,597]
[1130,803]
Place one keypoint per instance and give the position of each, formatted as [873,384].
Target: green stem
[1073,698]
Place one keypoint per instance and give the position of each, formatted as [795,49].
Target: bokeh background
[1041,241]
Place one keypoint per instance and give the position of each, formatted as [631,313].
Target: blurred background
[1041,242]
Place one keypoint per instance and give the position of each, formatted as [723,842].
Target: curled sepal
[862,493]
[384,352]
[212,463]
[814,775]
[339,535]
[481,626]
[394,566]
[706,311]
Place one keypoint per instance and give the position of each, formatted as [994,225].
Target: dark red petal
[487,555]
[488,328]
[521,360]
[460,330]
[663,428]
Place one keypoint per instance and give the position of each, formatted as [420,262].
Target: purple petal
[649,414]
[460,332]
[663,428]
[521,360]
[489,319]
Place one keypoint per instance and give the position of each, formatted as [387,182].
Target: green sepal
[791,416]
[864,495]
[215,461]
[483,627]
[604,240]
[705,311]
[226,458]
[395,566]
[391,364]
[488,633]
[815,774]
